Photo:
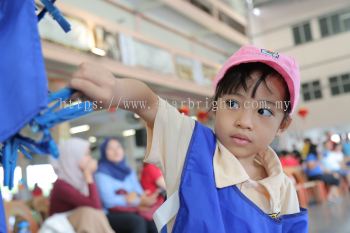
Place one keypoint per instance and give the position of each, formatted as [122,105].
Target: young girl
[228,180]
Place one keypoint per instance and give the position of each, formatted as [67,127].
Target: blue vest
[207,209]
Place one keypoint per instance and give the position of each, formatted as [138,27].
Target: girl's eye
[265,112]
[232,104]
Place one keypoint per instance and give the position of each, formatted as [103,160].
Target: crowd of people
[328,162]
[105,195]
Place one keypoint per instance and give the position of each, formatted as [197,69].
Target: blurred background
[177,46]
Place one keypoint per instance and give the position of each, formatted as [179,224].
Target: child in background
[314,171]
[230,180]
[288,159]
[152,178]
[153,181]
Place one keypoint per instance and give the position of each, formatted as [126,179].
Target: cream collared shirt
[167,144]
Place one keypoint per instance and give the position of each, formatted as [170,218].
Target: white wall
[286,13]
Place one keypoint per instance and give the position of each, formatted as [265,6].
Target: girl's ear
[284,125]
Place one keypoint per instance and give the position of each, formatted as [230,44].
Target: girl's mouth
[240,139]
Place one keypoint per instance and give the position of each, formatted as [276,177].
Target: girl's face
[246,125]
[114,151]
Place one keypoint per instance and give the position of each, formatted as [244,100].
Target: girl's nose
[243,119]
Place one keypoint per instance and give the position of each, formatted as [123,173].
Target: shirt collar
[275,177]
[229,171]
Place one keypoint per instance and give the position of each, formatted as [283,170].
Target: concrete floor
[330,217]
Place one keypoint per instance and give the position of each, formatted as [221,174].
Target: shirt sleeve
[289,197]
[107,189]
[77,199]
[168,141]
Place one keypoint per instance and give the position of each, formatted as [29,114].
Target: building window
[334,23]
[231,22]
[311,90]
[339,84]
[202,5]
[207,7]
[302,33]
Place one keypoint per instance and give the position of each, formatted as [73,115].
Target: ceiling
[261,3]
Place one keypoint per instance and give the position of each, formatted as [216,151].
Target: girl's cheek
[83,162]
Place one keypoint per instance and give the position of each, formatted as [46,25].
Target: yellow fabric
[305,150]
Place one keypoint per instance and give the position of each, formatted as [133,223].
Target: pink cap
[284,65]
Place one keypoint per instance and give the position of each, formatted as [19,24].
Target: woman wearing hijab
[121,193]
[75,190]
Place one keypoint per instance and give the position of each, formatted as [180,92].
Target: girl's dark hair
[237,77]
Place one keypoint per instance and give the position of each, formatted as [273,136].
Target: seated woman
[314,171]
[75,191]
[121,192]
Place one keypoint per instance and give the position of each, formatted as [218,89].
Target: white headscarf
[67,165]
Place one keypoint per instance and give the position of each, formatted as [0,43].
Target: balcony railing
[94,35]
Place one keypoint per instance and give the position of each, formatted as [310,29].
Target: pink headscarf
[67,165]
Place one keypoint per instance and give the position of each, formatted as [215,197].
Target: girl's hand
[95,83]
[88,166]
[131,197]
[143,208]
[91,166]
[149,200]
